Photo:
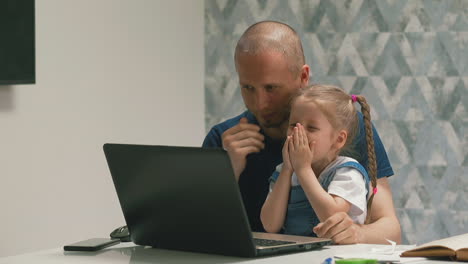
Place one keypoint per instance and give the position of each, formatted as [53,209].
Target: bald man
[271,67]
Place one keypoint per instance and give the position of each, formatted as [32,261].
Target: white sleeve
[349,184]
[271,187]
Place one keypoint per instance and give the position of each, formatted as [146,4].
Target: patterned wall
[409,58]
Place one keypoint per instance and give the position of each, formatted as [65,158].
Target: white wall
[107,71]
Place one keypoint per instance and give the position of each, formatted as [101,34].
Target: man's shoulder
[225,125]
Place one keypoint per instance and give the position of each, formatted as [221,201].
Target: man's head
[271,67]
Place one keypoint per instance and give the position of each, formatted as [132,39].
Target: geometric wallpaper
[408,57]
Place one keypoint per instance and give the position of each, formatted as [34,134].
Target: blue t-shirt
[253,181]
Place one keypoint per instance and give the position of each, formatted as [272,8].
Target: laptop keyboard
[267,242]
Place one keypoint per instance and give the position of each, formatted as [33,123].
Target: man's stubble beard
[273,125]
[277,129]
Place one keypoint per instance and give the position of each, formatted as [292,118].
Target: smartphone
[93,244]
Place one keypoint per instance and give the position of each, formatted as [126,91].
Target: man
[271,67]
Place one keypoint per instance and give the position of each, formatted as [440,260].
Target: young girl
[314,182]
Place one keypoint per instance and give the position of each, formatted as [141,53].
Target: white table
[132,254]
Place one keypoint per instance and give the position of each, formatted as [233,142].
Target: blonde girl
[315,181]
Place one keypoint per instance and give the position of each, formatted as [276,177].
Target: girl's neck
[319,166]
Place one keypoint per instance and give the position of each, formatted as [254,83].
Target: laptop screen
[182,198]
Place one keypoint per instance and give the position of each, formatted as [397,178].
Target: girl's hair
[339,109]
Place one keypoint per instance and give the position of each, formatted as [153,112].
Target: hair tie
[375,190]
[354,98]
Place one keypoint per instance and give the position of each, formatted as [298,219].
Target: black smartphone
[93,244]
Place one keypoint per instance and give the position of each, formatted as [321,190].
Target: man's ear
[341,138]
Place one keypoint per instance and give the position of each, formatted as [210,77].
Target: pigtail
[372,166]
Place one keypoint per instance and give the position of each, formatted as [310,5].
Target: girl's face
[318,129]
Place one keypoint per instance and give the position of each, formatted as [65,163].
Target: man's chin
[270,123]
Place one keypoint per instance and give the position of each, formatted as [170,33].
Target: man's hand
[384,223]
[241,140]
[340,228]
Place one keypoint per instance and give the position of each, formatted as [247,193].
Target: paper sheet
[382,253]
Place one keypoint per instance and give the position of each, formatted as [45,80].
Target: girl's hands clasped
[300,152]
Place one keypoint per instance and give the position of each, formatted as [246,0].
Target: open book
[455,247]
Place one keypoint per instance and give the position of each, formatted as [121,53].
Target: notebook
[187,198]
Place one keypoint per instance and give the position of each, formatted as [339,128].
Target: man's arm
[384,223]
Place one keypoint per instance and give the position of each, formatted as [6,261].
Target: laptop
[187,198]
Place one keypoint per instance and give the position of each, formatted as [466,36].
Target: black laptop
[186,198]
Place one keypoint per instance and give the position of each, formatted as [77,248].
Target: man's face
[267,84]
